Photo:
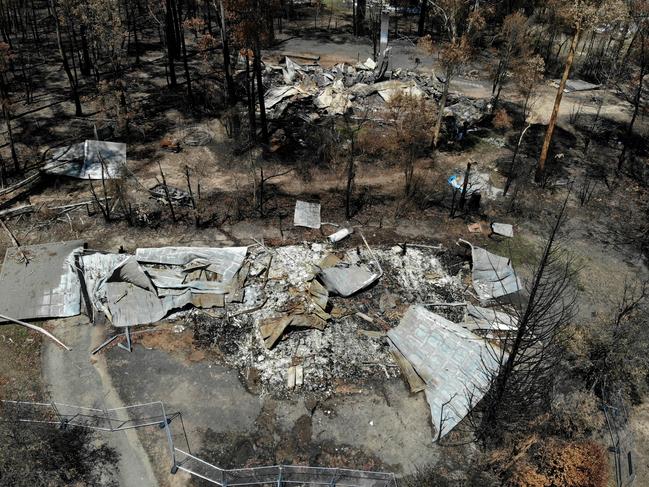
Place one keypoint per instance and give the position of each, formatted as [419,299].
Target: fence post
[333,480]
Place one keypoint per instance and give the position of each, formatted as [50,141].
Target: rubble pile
[320,91]
[350,346]
[317,317]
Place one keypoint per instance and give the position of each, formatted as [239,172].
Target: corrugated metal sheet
[347,279]
[504,229]
[46,287]
[225,261]
[455,364]
[84,160]
[489,319]
[142,289]
[493,275]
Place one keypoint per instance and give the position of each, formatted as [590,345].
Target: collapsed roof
[146,287]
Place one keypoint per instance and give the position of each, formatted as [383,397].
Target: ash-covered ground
[341,355]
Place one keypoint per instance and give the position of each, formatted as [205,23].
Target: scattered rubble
[349,348]
[164,194]
[334,91]
[479,182]
[284,317]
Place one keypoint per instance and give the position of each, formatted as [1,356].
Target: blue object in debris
[455,180]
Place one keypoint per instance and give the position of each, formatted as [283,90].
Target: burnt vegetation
[194,88]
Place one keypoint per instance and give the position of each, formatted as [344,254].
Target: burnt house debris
[311,92]
[302,316]
[307,214]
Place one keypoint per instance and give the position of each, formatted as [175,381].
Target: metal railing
[282,475]
[154,414]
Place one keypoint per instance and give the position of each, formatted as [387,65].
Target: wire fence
[622,442]
[154,414]
[282,475]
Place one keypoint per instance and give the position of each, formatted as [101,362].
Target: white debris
[307,214]
[504,229]
[340,235]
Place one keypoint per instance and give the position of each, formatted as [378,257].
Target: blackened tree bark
[74,89]
[170,40]
[229,82]
[86,64]
[359,20]
[421,27]
[250,98]
[643,61]
[181,31]
[260,92]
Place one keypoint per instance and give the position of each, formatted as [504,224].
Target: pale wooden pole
[538,177]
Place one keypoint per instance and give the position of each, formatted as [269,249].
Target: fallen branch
[20,184]
[21,210]
[13,239]
[35,328]
[77,205]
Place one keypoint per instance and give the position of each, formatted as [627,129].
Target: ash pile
[315,319]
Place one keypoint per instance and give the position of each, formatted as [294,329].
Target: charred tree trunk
[74,89]
[512,165]
[181,31]
[351,175]
[86,64]
[359,21]
[260,92]
[526,367]
[251,100]
[10,136]
[636,104]
[421,26]
[229,82]
[170,39]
